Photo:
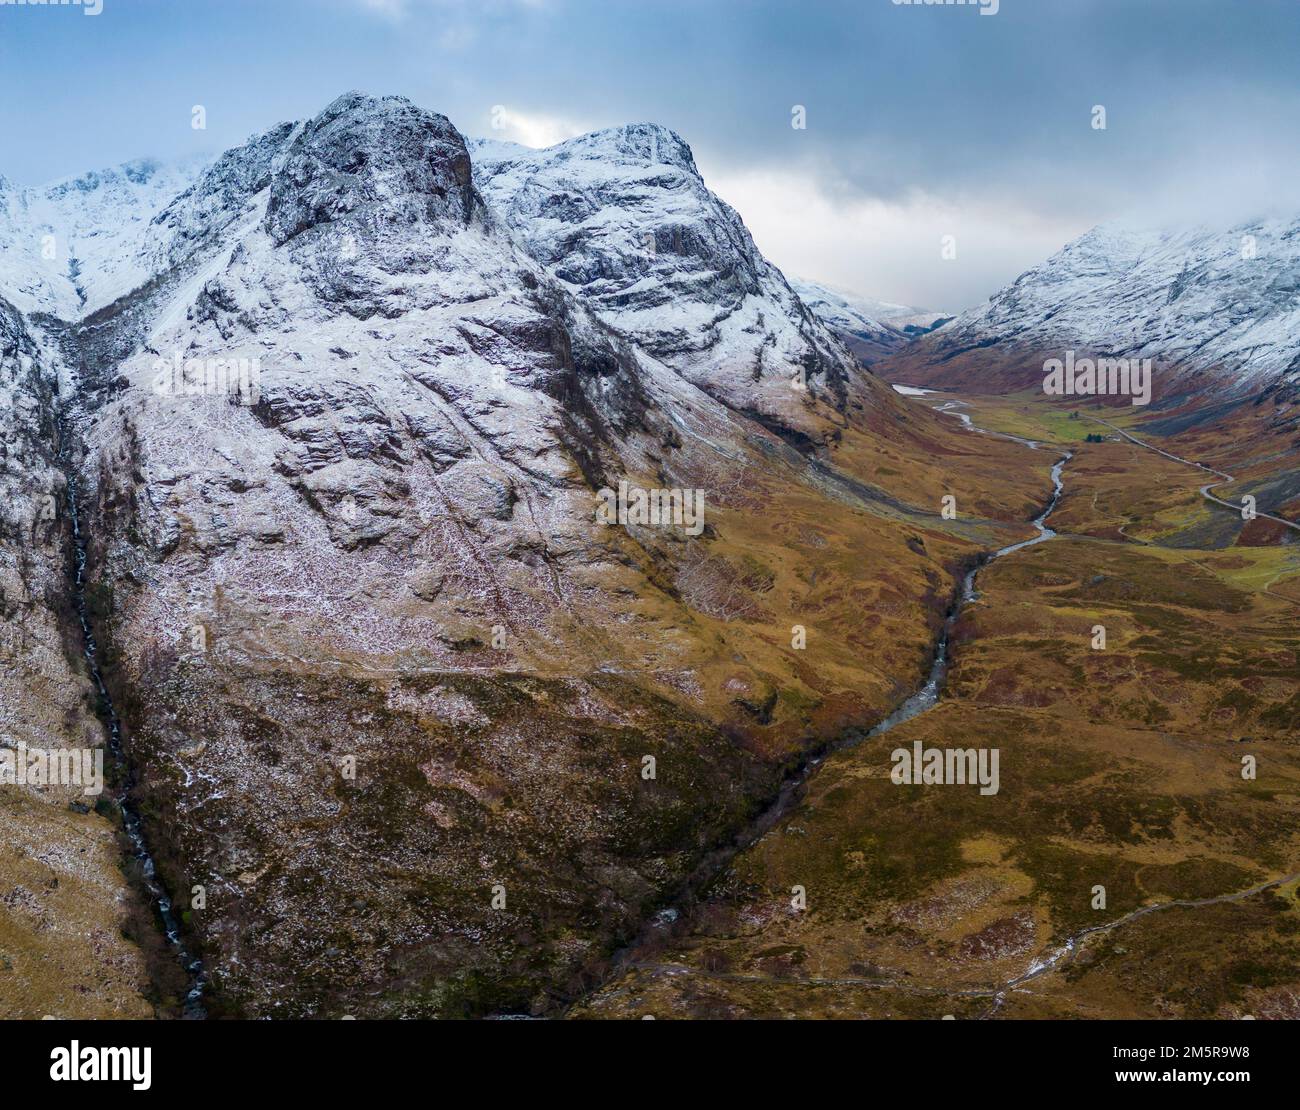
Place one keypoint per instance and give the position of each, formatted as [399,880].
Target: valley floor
[1140,857]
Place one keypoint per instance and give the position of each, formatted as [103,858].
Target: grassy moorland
[1121,768]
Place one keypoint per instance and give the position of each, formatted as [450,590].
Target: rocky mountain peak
[381,158]
[623,218]
[650,144]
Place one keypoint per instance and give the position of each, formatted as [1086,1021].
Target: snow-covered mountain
[382,544]
[379,551]
[1217,309]
[623,219]
[871,328]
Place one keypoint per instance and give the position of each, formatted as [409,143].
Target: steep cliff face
[624,220]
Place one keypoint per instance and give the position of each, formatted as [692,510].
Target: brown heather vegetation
[1119,767]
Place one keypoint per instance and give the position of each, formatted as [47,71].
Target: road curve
[1224,479]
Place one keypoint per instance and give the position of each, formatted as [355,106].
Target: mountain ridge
[1219,309]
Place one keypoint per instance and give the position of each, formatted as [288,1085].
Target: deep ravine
[132,823]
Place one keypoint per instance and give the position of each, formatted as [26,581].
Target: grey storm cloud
[919,117]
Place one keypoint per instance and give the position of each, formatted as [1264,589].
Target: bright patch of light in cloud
[532,129]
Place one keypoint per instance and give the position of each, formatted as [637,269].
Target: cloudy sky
[922,121]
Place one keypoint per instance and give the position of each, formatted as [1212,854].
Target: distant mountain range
[872,329]
[1217,310]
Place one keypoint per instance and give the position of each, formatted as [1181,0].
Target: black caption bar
[338,1058]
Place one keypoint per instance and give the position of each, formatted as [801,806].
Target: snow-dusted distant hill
[72,246]
[1217,310]
[871,328]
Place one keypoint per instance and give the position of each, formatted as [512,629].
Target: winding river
[920,702]
[928,695]
[925,698]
